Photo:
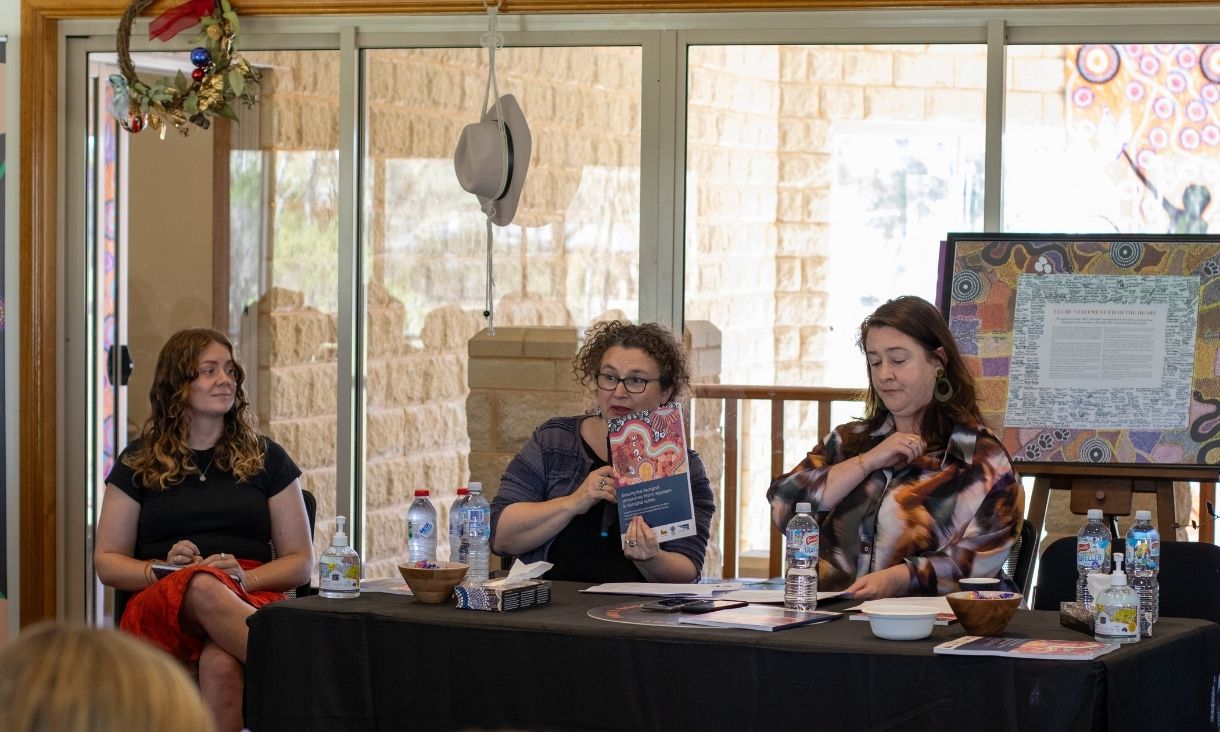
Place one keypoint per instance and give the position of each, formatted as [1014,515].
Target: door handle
[119,365]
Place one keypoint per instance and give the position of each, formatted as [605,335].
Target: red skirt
[154,612]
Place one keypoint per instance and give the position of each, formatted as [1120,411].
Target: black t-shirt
[219,514]
[581,553]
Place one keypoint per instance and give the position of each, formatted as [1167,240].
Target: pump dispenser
[339,567]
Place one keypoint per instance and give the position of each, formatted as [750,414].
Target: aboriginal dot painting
[1091,348]
[1156,108]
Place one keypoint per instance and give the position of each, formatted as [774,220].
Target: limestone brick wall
[760,171]
[521,377]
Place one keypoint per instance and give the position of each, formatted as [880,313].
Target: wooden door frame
[39,353]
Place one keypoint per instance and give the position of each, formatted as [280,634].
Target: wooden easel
[1110,488]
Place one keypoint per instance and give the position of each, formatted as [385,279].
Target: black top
[589,548]
[219,514]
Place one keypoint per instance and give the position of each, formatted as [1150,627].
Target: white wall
[10,25]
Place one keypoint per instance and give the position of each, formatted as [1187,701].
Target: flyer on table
[648,451]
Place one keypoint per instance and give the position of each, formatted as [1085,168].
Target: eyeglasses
[633,384]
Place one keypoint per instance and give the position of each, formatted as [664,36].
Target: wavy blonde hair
[163,457]
[65,677]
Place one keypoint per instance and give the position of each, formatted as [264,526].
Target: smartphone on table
[668,604]
[707,606]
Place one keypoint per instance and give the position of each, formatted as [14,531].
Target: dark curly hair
[163,457]
[920,320]
[654,339]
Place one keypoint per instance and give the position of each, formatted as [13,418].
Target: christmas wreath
[219,80]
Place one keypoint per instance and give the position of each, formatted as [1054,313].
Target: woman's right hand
[184,552]
[597,486]
[895,451]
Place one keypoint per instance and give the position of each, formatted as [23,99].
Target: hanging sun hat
[493,172]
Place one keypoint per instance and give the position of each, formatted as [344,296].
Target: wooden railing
[778,396]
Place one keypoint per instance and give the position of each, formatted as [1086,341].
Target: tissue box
[1076,616]
[502,599]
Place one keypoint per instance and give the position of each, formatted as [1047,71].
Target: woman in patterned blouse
[919,493]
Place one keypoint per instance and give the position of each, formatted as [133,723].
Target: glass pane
[1112,138]
[820,180]
[569,257]
[284,254]
[234,227]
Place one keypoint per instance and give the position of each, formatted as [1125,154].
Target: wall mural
[1091,348]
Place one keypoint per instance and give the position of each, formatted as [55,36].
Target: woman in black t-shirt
[200,490]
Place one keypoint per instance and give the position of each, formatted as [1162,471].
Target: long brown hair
[163,457]
[920,320]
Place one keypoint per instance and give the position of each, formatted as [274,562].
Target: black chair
[1189,578]
[1021,557]
[1056,575]
[311,510]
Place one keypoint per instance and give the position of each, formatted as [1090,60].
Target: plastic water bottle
[801,534]
[1144,561]
[421,528]
[1092,551]
[478,532]
[339,567]
[801,583]
[1117,609]
[457,526]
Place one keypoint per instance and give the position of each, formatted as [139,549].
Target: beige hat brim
[521,148]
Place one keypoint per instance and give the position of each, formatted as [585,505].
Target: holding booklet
[648,452]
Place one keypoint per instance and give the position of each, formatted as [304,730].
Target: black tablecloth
[388,662]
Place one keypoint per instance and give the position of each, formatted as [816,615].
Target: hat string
[492,40]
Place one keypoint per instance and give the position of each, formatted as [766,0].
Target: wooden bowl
[984,612]
[433,585]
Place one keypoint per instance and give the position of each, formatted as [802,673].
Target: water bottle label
[477,523]
[1091,554]
[421,529]
[339,577]
[1144,553]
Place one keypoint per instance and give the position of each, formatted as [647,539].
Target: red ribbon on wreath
[175,20]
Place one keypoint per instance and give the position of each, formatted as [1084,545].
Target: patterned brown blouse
[952,513]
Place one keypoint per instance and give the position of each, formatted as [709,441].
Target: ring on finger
[632,543]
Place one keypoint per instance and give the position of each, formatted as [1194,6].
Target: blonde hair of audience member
[59,678]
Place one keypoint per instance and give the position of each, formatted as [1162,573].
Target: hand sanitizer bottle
[339,567]
[1118,607]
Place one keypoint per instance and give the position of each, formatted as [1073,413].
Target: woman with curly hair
[200,490]
[556,498]
[919,493]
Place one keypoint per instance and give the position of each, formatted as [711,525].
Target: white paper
[768,596]
[656,589]
[1102,351]
[940,604]
[519,574]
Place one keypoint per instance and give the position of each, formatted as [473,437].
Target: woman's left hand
[228,563]
[641,543]
[889,582]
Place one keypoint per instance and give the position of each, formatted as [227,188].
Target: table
[388,662]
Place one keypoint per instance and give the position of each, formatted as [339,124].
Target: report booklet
[758,617]
[648,451]
[1065,650]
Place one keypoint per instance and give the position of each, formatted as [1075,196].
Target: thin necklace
[203,474]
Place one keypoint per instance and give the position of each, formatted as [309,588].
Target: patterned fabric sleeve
[804,483]
[979,543]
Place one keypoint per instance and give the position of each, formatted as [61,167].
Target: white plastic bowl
[902,623]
